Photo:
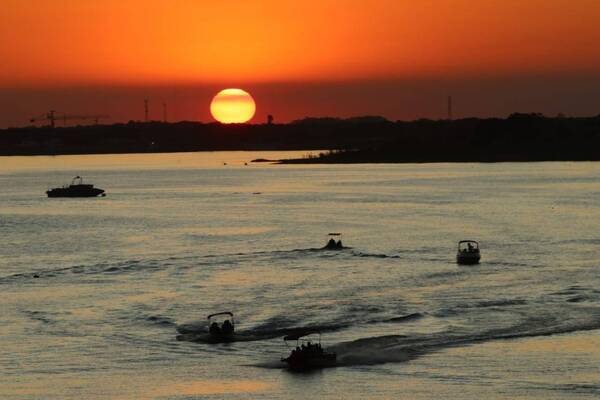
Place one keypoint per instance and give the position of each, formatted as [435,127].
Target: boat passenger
[331,244]
[339,244]
[470,247]
[227,327]
[214,328]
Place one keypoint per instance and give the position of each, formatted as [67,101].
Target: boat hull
[308,363]
[67,192]
[468,259]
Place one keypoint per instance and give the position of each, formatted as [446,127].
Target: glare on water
[95,292]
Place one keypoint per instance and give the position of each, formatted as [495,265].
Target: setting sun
[232,106]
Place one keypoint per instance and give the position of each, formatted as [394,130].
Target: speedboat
[76,189]
[308,353]
[334,241]
[468,252]
[221,326]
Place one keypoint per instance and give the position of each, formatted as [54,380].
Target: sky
[396,58]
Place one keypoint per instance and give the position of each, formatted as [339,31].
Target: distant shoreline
[362,157]
[518,138]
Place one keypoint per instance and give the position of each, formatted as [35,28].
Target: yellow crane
[52,116]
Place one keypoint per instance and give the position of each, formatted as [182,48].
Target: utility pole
[146,109]
[51,118]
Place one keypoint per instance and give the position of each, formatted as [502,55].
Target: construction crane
[52,116]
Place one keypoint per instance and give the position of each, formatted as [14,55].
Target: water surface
[107,297]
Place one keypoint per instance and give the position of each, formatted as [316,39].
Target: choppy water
[107,297]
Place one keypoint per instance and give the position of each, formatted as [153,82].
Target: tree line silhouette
[520,137]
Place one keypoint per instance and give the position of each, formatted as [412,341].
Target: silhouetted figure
[227,327]
[338,245]
[331,244]
[214,329]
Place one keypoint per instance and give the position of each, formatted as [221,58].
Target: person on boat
[339,244]
[331,244]
[214,328]
[227,327]
[470,247]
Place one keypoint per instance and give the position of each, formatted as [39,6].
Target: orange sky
[76,43]
[48,42]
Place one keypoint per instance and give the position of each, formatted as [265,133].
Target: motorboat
[221,325]
[76,189]
[334,241]
[468,252]
[307,353]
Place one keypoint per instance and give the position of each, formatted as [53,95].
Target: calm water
[125,282]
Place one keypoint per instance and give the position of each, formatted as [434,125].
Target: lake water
[107,298]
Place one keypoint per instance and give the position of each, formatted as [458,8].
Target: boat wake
[403,348]
[141,265]
[198,331]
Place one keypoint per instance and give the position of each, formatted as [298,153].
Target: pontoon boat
[76,189]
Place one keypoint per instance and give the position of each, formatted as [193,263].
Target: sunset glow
[232,106]
[112,41]
[315,199]
[396,58]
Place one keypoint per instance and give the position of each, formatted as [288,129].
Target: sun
[232,106]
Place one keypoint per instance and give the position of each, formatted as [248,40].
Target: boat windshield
[468,246]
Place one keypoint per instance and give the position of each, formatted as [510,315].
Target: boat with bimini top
[334,241]
[468,252]
[221,325]
[308,352]
[76,189]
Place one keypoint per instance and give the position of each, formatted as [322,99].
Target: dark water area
[108,297]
